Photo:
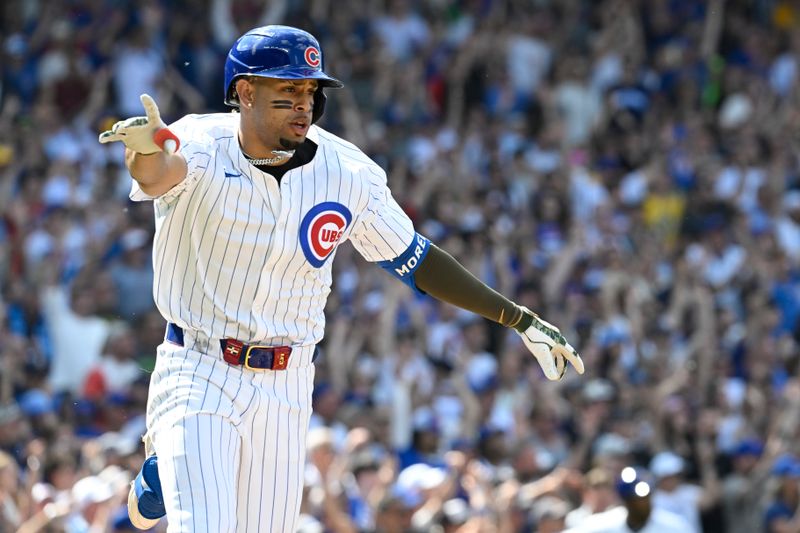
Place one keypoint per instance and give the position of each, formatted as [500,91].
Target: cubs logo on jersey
[321,229]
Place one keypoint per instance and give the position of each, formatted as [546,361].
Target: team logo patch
[312,57]
[321,229]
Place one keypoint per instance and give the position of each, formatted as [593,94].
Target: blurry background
[628,169]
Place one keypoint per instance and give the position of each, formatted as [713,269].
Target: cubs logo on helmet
[321,229]
[312,57]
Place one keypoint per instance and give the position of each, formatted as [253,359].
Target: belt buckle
[247,358]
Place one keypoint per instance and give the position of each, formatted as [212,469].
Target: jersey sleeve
[197,151]
[382,231]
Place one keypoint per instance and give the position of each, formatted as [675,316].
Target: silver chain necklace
[280,155]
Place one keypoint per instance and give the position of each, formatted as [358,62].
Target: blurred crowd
[629,169]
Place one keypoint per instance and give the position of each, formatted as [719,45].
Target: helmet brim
[298,73]
[284,73]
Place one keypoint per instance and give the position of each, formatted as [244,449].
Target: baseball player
[250,208]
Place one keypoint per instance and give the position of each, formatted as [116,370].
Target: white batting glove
[144,135]
[550,348]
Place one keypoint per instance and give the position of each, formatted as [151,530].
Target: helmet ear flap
[319,105]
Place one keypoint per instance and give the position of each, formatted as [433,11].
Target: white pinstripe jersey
[238,255]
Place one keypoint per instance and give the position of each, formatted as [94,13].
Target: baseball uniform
[242,262]
[240,255]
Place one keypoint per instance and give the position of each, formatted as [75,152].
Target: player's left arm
[426,267]
[383,233]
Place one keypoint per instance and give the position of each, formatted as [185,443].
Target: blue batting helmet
[279,52]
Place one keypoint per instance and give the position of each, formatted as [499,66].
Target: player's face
[282,111]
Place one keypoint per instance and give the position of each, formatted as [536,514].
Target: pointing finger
[572,356]
[150,109]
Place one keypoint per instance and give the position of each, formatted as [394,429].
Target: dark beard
[289,145]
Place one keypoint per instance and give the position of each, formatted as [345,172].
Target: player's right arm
[151,150]
[156,173]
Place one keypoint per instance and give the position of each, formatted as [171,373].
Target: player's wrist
[521,320]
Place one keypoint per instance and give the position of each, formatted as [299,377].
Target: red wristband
[163,137]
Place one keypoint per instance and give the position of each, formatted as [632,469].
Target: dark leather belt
[238,353]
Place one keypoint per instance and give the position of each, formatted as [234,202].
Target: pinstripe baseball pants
[231,442]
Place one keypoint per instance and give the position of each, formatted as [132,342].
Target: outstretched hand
[144,135]
[550,348]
